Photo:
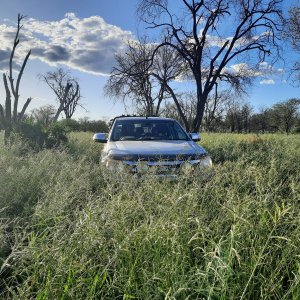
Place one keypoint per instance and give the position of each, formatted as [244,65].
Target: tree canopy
[211,36]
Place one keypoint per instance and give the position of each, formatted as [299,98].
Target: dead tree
[148,86]
[43,115]
[205,41]
[66,89]
[9,115]
[130,79]
[167,67]
[292,32]
[215,108]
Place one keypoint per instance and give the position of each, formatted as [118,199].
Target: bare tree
[146,81]
[214,113]
[215,107]
[9,115]
[167,67]
[66,89]
[203,39]
[130,79]
[134,79]
[233,112]
[44,115]
[293,33]
[187,104]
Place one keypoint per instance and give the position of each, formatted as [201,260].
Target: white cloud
[267,81]
[264,64]
[243,69]
[262,70]
[217,41]
[87,44]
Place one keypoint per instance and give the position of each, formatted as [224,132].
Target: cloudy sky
[84,36]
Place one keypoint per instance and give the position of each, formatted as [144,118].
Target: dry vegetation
[70,230]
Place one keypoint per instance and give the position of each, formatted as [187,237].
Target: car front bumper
[161,167]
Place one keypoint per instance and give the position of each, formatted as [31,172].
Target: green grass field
[70,230]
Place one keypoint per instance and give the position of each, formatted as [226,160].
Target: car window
[180,132]
[134,130]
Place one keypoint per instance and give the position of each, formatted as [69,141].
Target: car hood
[133,150]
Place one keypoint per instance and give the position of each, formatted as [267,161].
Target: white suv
[151,145]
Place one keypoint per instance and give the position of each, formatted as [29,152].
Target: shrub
[36,137]
[93,126]
[70,125]
[33,135]
[56,135]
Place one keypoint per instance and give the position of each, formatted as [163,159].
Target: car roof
[143,118]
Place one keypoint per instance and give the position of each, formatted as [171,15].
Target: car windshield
[143,130]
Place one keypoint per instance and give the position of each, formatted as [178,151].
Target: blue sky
[88,34]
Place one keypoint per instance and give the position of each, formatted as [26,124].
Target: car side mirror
[195,136]
[100,138]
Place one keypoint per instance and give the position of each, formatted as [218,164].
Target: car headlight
[115,165]
[187,168]
[205,162]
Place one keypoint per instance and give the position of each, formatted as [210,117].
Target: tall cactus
[9,117]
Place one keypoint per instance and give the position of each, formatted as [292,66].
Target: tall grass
[71,230]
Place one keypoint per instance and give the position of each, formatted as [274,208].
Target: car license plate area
[144,167]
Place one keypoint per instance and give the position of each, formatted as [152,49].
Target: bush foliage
[71,230]
[37,137]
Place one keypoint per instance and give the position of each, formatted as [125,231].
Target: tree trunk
[201,100]
[160,99]
[60,109]
[182,116]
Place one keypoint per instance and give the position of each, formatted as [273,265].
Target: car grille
[157,168]
[156,157]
